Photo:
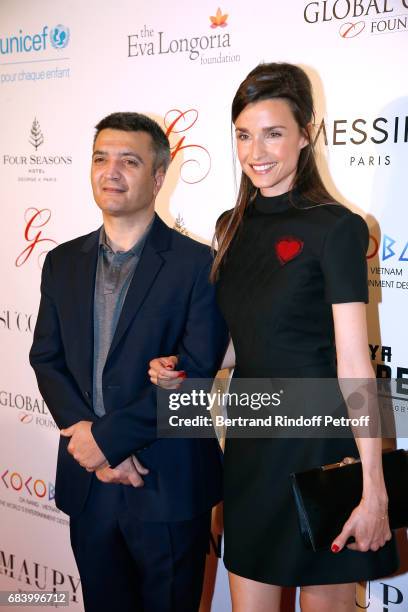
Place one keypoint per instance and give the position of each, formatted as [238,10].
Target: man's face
[122,177]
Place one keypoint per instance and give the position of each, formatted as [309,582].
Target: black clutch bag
[326,496]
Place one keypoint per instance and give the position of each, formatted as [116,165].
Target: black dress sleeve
[344,261]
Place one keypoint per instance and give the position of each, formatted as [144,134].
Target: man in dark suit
[139,506]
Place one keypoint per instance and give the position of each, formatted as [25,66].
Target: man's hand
[83,447]
[128,473]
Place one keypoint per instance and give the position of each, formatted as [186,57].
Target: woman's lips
[263,168]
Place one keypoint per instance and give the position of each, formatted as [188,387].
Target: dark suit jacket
[169,309]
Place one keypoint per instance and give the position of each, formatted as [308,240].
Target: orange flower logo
[219,20]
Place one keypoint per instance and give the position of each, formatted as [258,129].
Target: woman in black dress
[292,284]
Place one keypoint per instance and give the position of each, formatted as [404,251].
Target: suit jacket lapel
[84,295]
[145,274]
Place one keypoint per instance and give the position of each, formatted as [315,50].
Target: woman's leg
[252,596]
[328,598]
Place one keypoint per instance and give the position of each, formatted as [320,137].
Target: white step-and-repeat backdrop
[63,66]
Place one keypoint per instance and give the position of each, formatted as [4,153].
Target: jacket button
[87,395]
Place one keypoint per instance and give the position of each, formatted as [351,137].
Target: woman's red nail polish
[182,374]
[335,548]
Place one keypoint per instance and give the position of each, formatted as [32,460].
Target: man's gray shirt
[114,273]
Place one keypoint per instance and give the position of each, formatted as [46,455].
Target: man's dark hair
[136,122]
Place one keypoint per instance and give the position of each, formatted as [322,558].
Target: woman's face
[269,142]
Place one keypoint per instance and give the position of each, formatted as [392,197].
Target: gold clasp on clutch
[345,461]
[348,460]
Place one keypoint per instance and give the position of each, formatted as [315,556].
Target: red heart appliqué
[288,248]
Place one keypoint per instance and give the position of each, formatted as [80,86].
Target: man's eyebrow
[131,154]
[124,153]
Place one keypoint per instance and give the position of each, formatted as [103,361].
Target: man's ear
[159,177]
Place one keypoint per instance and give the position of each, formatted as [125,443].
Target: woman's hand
[368,524]
[162,372]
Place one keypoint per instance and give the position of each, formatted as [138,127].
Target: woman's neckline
[275,204]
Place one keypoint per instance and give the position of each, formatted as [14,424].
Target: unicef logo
[59,36]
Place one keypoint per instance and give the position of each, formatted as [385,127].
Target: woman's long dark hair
[266,82]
